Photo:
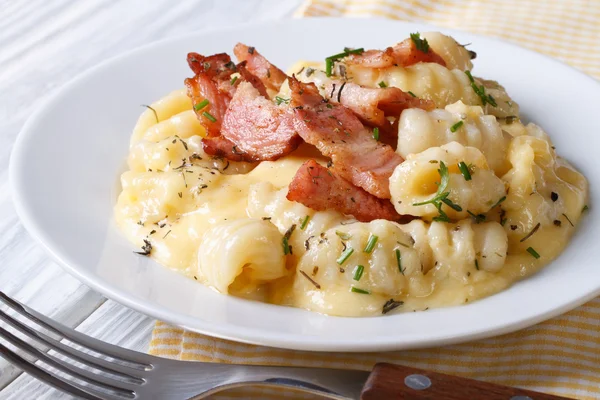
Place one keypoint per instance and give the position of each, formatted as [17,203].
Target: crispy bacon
[340,135]
[211,82]
[258,127]
[270,75]
[373,105]
[403,54]
[221,147]
[320,189]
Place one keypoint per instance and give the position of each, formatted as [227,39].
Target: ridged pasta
[414,181]
[543,189]
[241,255]
[455,55]
[172,110]
[383,276]
[437,83]
[419,130]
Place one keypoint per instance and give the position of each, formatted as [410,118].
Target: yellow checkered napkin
[560,356]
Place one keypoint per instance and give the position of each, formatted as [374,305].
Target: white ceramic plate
[67,160]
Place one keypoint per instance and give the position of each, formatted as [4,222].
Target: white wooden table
[43,44]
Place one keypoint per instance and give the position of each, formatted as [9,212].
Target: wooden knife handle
[390,381]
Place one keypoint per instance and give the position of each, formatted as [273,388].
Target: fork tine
[44,376]
[139,360]
[76,372]
[89,360]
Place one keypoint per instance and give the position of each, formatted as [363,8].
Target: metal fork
[111,372]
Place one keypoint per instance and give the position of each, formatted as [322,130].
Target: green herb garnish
[233,80]
[399,261]
[390,305]
[499,202]
[279,100]
[376,133]
[371,243]
[304,222]
[412,94]
[331,59]
[358,272]
[480,91]
[441,192]
[478,217]
[420,44]
[584,209]
[382,84]
[476,265]
[534,230]
[358,290]
[287,249]
[455,127]
[464,170]
[201,105]
[452,205]
[534,253]
[345,255]
[209,116]
[153,110]
[311,280]
[343,235]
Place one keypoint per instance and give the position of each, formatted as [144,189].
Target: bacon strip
[270,75]
[320,189]
[212,82]
[340,135]
[259,128]
[403,54]
[221,147]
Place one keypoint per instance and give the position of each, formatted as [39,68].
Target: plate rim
[224,330]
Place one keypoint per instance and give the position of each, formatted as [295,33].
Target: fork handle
[390,381]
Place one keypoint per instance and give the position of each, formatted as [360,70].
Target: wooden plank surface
[44,44]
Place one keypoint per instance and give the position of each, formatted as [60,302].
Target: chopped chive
[304,222]
[584,209]
[480,91]
[331,59]
[343,235]
[412,94]
[371,243]
[376,133]
[382,84]
[534,253]
[345,255]
[476,265]
[201,105]
[233,80]
[348,50]
[452,205]
[399,261]
[499,202]
[358,290]
[455,127]
[358,272]
[534,230]
[328,66]
[279,100]
[209,116]
[464,170]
